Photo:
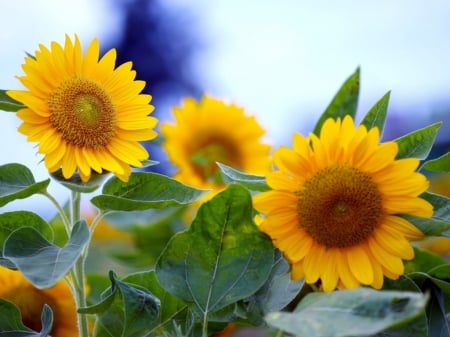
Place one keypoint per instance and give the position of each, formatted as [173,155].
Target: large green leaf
[17,182]
[344,102]
[11,321]
[9,104]
[358,312]
[145,190]
[252,182]
[441,164]
[376,116]
[10,221]
[417,144]
[222,258]
[126,310]
[40,261]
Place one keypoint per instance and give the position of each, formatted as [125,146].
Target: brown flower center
[83,112]
[211,151]
[339,206]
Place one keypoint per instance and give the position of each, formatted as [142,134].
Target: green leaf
[356,312]
[144,190]
[13,326]
[441,164]
[172,308]
[17,182]
[43,263]
[10,221]
[252,182]
[376,116]
[439,303]
[417,144]
[430,226]
[424,261]
[441,205]
[280,289]
[221,259]
[344,102]
[439,224]
[418,327]
[125,310]
[9,104]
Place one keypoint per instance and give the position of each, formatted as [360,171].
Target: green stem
[62,213]
[205,325]
[77,271]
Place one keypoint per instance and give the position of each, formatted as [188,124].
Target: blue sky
[282,60]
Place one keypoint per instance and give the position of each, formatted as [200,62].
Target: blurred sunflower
[212,131]
[334,204]
[85,114]
[15,288]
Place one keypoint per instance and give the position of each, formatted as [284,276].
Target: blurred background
[281,60]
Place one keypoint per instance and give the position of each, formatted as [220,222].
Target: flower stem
[77,271]
[62,213]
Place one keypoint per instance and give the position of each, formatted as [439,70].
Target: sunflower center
[339,206]
[83,112]
[213,151]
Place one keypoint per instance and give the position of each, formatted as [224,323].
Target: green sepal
[376,116]
[11,321]
[17,182]
[41,262]
[356,312]
[77,185]
[441,164]
[9,104]
[145,190]
[251,181]
[417,144]
[344,103]
[222,258]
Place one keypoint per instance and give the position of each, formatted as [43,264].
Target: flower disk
[30,300]
[85,114]
[334,206]
[211,131]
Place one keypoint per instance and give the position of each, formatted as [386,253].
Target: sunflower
[212,131]
[334,206]
[85,114]
[30,300]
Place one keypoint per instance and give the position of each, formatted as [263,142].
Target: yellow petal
[311,263]
[391,262]
[359,264]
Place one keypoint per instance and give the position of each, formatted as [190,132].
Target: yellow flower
[212,131]
[15,288]
[85,114]
[334,207]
